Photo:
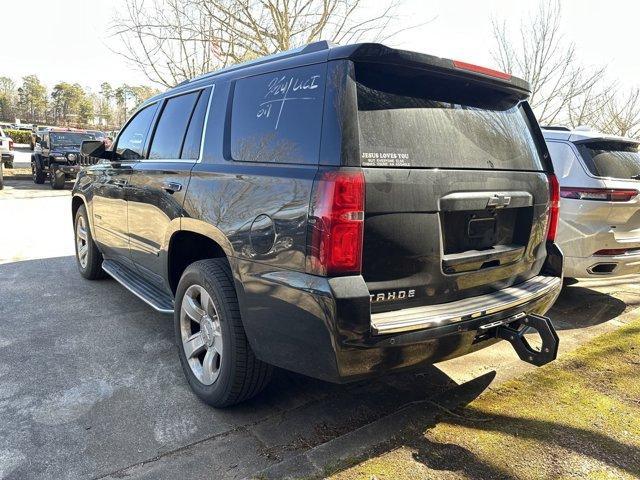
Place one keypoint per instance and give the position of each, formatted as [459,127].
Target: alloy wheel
[201,334]
[82,247]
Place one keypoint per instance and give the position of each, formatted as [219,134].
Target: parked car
[599,177]
[56,156]
[6,149]
[36,136]
[342,212]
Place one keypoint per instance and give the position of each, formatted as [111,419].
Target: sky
[70,40]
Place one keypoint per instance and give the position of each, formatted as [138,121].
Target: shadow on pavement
[580,307]
[27,184]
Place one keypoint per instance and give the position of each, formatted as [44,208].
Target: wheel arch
[77,201]
[195,240]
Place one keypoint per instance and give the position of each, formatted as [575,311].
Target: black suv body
[341,212]
[56,156]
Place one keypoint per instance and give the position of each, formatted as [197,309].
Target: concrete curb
[360,442]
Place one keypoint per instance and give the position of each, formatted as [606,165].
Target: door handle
[171,187]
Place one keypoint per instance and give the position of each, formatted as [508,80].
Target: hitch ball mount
[516,337]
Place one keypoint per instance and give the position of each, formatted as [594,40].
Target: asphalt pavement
[91,385]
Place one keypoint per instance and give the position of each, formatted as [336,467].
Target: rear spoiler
[607,139]
[378,53]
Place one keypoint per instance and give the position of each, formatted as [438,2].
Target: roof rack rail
[309,48]
[560,128]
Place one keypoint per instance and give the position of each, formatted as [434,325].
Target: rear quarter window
[277,117]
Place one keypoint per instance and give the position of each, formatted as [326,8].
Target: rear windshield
[612,159]
[412,119]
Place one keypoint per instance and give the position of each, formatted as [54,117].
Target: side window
[132,138]
[172,126]
[277,117]
[191,147]
[565,162]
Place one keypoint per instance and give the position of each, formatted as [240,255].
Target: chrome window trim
[438,315]
[204,127]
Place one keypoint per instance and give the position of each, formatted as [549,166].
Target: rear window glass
[612,159]
[413,119]
[277,117]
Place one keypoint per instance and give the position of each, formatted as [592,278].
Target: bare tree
[562,89]
[621,115]
[174,40]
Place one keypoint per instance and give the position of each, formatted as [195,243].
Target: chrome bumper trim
[430,316]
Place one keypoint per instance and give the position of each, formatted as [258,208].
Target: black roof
[323,51]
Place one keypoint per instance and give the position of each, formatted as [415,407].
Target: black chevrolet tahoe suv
[56,156]
[337,211]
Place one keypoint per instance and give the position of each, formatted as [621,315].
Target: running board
[132,281]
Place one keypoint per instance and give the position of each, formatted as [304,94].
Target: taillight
[598,194]
[10,144]
[483,70]
[336,223]
[554,206]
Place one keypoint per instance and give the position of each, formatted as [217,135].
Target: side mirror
[95,149]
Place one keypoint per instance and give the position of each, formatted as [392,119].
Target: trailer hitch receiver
[515,335]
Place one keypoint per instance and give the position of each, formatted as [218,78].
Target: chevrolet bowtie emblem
[499,201]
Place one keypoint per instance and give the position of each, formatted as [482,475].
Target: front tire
[37,172]
[214,351]
[56,178]
[88,257]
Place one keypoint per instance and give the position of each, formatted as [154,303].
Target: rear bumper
[323,327]
[602,266]
[7,155]
[432,316]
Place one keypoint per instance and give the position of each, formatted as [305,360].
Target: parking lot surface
[91,385]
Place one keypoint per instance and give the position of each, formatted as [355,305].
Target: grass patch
[578,417]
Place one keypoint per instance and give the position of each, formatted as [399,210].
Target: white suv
[6,149]
[599,176]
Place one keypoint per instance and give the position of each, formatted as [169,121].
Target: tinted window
[67,139]
[277,117]
[172,126]
[132,138]
[413,119]
[191,148]
[612,159]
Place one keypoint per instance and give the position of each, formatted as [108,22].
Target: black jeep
[56,156]
[341,212]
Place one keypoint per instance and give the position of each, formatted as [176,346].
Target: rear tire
[36,172]
[88,257]
[214,351]
[8,163]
